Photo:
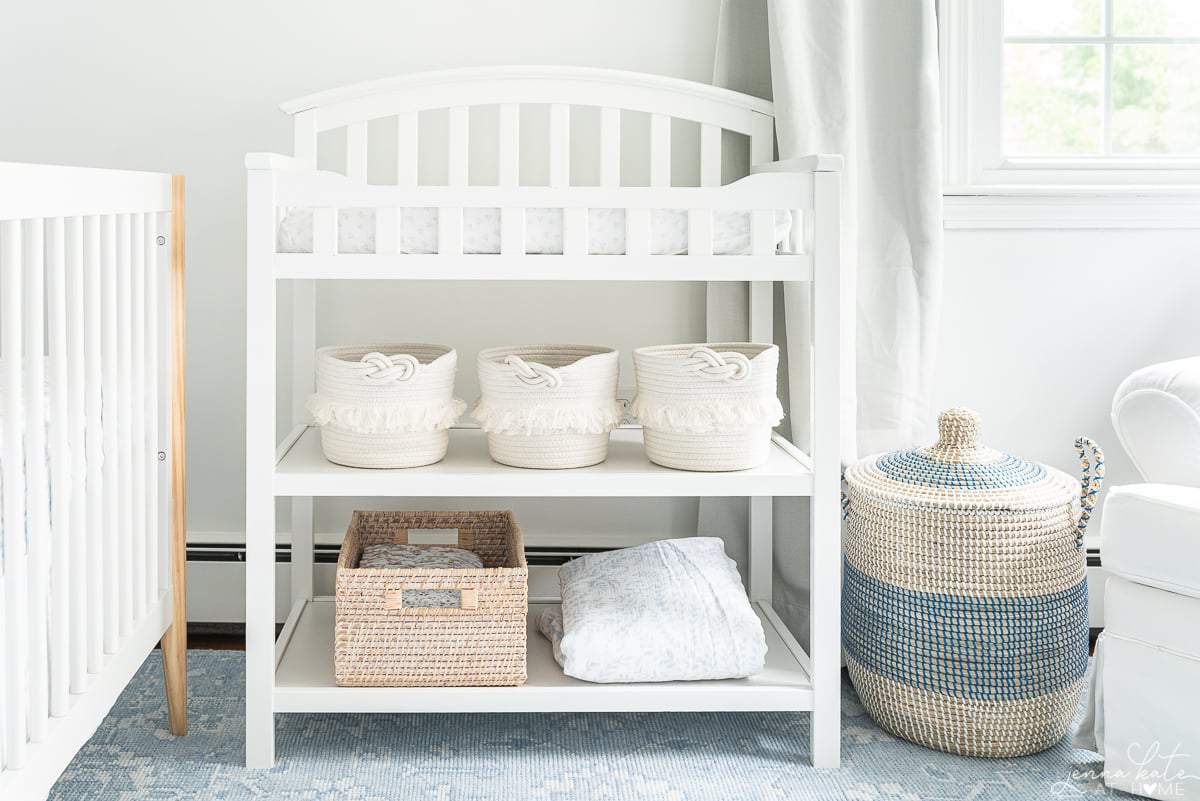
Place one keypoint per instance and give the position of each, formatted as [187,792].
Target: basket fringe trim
[386,418]
[537,420]
[707,416]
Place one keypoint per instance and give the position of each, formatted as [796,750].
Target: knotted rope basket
[385,405]
[548,406]
[707,407]
[964,609]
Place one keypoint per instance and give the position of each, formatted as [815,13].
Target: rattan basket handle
[1091,459]
[845,500]
[394,599]
[390,369]
[729,366]
[533,374]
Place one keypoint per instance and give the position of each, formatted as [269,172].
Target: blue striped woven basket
[964,607]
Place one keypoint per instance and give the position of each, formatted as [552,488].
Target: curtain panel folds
[859,78]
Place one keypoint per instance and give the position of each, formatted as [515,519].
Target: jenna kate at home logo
[1154,770]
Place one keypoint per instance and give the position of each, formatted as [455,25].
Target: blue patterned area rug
[556,757]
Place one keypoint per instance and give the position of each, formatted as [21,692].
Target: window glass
[1053,99]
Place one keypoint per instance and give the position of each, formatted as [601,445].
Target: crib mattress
[543,231]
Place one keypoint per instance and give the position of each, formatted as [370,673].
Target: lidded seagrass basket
[381,639]
[964,607]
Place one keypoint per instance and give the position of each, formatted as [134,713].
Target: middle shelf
[301,470]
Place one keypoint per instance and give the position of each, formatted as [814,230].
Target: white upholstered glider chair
[1144,707]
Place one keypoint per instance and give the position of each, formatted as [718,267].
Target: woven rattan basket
[548,406]
[965,619]
[707,407]
[379,642]
[385,405]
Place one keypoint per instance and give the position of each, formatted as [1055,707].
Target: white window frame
[972,102]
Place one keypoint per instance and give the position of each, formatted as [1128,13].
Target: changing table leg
[762,563]
[304,345]
[825,546]
[260,467]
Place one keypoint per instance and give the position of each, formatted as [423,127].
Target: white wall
[1038,326]
[191,87]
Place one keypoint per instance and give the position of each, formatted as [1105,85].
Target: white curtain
[859,78]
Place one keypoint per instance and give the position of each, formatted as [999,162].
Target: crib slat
[512,231]
[305,146]
[700,232]
[76,432]
[387,231]
[111,557]
[164,408]
[60,468]
[660,150]
[93,247]
[610,146]
[575,232]
[407,149]
[510,144]
[125,564]
[356,151]
[37,495]
[325,231]
[637,232]
[450,231]
[16,589]
[137,407]
[457,149]
[762,140]
[762,232]
[560,145]
[710,155]
[153,530]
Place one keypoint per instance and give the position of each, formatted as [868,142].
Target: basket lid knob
[958,428]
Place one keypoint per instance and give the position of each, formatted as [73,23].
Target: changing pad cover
[543,231]
[671,610]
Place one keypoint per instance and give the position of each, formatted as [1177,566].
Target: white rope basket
[386,405]
[548,406]
[707,407]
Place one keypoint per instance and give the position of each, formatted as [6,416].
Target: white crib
[91,455]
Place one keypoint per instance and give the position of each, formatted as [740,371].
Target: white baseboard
[216,590]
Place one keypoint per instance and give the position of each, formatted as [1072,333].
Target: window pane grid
[1107,84]
[1167,40]
[1068,100]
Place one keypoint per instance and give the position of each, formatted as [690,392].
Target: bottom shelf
[304,680]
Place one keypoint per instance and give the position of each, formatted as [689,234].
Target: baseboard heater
[217,579]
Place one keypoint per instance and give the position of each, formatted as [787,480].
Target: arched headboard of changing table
[458,90]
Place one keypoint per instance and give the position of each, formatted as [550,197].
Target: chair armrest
[1150,534]
[1156,414]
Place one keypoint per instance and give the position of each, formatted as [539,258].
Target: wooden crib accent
[174,641]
